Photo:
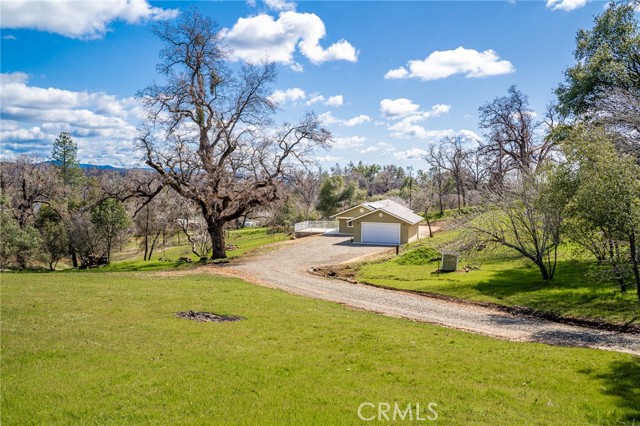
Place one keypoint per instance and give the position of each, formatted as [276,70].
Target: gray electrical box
[449,261]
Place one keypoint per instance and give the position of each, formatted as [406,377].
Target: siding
[342,227]
[352,212]
[408,232]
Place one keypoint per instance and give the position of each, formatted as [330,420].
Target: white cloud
[327,158]
[403,107]
[348,142]
[411,154]
[396,108]
[102,124]
[360,119]
[408,129]
[280,97]
[78,19]
[314,99]
[280,5]
[263,37]
[380,146]
[296,67]
[9,37]
[406,116]
[335,101]
[442,64]
[566,5]
[329,118]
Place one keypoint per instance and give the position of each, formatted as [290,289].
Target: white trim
[354,207]
[390,214]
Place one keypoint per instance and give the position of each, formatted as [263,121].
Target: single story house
[379,222]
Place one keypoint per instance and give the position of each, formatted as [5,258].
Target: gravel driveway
[287,268]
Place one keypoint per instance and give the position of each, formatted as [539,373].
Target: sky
[387,78]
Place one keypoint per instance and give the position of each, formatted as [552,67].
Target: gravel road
[287,267]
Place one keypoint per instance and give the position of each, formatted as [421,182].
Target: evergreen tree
[64,156]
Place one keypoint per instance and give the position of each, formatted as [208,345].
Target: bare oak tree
[512,141]
[209,133]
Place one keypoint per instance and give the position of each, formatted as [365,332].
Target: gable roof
[394,209]
[351,208]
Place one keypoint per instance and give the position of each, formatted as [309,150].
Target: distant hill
[92,166]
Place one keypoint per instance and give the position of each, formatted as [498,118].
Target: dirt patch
[207,317]
[346,272]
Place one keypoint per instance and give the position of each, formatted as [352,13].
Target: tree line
[214,157]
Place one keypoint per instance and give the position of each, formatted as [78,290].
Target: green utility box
[449,262]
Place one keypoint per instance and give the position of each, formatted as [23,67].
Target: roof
[351,208]
[394,209]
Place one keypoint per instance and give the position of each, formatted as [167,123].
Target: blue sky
[387,78]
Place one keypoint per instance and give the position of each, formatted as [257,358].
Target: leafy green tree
[607,194]
[21,243]
[64,156]
[335,194]
[608,57]
[54,236]
[110,219]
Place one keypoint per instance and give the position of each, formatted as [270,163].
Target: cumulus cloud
[78,19]
[411,154]
[326,158]
[280,97]
[33,117]
[264,37]
[395,108]
[333,101]
[280,5]
[566,5]
[329,118]
[348,142]
[380,146]
[403,107]
[442,64]
[405,117]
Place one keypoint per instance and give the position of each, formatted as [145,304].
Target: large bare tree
[512,139]
[210,133]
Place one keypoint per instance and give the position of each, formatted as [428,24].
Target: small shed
[449,261]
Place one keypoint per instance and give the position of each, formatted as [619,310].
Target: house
[379,222]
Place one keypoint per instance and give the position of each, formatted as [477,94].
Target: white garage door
[380,233]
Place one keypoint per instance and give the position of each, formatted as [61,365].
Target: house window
[349,224]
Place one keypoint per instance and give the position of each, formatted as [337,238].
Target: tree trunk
[426,216]
[74,259]
[616,268]
[634,261]
[153,244]
[543,269]
[218,248]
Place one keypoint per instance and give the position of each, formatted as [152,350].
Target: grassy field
[131,259]
[510,280]
[106,348]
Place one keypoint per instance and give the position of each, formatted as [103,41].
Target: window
[349,224]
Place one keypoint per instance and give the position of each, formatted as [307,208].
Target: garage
[380,233]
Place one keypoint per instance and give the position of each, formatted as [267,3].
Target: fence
[316,226]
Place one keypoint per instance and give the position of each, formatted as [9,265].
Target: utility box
[449,262]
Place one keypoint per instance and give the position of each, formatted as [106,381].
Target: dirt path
[287,268]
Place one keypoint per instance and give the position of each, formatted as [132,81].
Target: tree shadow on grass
[572,291]
[622,382]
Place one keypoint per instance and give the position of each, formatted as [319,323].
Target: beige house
[379,222]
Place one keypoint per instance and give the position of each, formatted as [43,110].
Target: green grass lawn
[507,279]
[105,348]
[246,239]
